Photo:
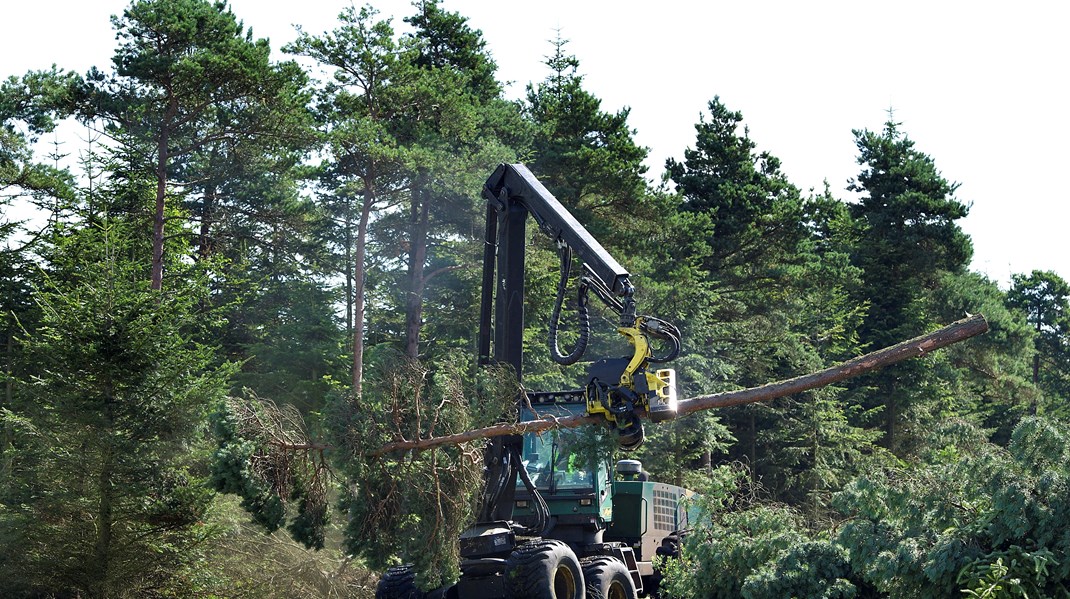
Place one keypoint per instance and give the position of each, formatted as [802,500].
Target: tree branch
[913,348]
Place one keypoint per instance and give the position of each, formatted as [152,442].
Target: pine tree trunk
[158,216]
[9,366]
[6,458]
[162,158]
[359,276]
[204,243]
[347,267]
[417,258]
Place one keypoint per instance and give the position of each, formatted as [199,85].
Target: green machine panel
[644,513]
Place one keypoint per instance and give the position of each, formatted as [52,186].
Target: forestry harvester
[552,524]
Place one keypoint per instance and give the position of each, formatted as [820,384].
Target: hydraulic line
[496,479]
[542,511]
[665,331]
[583,317]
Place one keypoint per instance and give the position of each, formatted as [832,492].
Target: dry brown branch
[286,456]
[913,348]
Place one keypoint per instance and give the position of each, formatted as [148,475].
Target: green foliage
[588,158]
[1044,298]
[180,64]
[1021,576]
[410,507]
[810,569]
[39,99]
[104,500]
[907,224]
[746,194]
[717,560]
[189,86]
[444,39]
[975,517]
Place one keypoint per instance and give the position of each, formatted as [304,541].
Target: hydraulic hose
[582,315]
[496,479]
[542,511]
[666,331]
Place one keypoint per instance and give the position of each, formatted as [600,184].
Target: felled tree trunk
[913,348]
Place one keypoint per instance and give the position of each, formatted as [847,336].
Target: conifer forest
[259,268]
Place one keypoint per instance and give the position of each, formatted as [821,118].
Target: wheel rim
[564,583]
[616,591]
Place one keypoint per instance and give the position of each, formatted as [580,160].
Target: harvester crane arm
[516,182]
[513,189]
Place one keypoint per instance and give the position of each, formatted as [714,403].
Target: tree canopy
[246,281]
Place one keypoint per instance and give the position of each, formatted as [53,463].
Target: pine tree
[459,131]
[757,218]
[363,172]
[1044,298]
[189,81]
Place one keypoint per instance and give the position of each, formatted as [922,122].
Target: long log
[912,348]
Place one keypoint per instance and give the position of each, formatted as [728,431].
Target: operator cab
[570,473]
[555,463]
[589,502]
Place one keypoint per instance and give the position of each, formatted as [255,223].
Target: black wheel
[669,549]
[544,569]
[670,545]
[399,582]
[608,578]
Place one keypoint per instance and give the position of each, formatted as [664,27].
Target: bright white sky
[979,86]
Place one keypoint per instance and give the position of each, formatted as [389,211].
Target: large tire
[398,583]
[608,578]
[543,569]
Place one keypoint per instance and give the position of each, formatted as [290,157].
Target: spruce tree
[586,156]
[775,303]
[108,502]
[908,239]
